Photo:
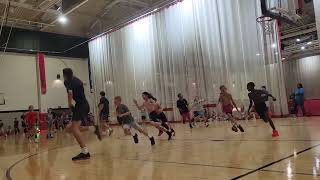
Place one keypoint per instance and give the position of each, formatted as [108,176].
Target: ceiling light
[298,40]
[283,58]
[309,43]
[258,54]
[303,48]
[156,9]
[276,53]
[62,19]
[274,45]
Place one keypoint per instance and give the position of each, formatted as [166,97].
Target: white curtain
[191,48]
[316,4]
[305,71]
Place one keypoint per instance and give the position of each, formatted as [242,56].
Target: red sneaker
[275,133]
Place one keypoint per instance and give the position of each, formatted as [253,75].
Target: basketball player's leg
[262,110]
[127,132]
[165,123]
[234,123]
[157,125]
[80,112]
[137,127]
[105,125]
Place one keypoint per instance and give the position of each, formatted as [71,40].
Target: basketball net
[266,23]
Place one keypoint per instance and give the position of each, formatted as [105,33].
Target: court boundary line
[274,162]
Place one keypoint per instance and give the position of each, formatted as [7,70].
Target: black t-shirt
[16,123]
[258,96]
[104,101]
[76,86]
[182,105]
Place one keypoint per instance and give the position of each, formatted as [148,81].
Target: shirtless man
[157,117]
[227,104]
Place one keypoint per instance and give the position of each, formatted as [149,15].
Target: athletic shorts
[104,117]
[133,125]
[80,111]
[227,109]
[261,109]
[198,113]
[185,115]
[155,117]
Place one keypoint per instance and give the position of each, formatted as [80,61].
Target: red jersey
[31,118]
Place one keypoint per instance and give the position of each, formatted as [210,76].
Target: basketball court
[212,153]
[163,47]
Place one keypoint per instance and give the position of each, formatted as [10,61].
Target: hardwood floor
[202,153]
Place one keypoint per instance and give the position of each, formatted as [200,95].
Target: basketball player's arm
[101,105]
[137,105]
[273,98]
[160,108]
[124,114]
[127,112]
[250,106]
[70,97]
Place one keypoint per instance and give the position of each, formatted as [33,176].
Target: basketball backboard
[285,10]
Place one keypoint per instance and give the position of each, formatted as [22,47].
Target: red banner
[42,72]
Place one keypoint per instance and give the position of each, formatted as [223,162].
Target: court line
[213,166]
[8,171]
[274,162]
[236,140]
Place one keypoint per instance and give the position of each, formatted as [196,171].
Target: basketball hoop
[266,23]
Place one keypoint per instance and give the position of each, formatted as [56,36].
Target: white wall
[305,71]
[18,80]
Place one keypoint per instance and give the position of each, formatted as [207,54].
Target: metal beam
[70,11]
[314,29]
[105,11]
[138,3]
[29,7]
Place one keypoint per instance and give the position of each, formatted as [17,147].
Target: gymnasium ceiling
[85,20]
[92,17]
[305,31]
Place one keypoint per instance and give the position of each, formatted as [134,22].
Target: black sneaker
[97,132]
[173,132]
[81,156]
[190,125]
[169,135]
[234,128]
[152,141]
[240,127]
[135,138]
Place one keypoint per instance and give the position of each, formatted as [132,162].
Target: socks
[84,150]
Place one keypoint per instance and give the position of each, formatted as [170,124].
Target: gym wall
[305,71]
[19,84]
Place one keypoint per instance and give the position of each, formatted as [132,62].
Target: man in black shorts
[80,111]
[259,97]
[104,114]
